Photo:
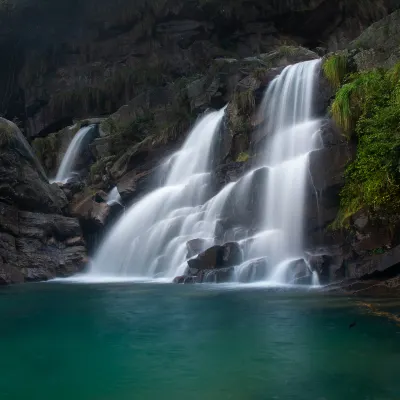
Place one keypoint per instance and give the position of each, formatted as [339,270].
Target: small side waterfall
[68,162]
[150,240]
[113,197]
[293,132]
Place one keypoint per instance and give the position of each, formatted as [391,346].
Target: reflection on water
[132,341]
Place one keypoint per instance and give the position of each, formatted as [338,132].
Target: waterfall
[68,162]
[113,197]
[150,240]
[292,133]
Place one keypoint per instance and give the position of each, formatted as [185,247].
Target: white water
[68,162]
[150,240]
[293,134]
[114,197]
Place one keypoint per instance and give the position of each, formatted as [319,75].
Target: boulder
[215,257]
[254,272]
[92,211]
[23,180]
[327,166]
[221,275]
[134,183]
[377,46]
[195,246]
[327,262]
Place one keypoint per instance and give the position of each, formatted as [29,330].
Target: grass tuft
[335,69]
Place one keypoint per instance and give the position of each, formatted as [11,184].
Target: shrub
[369,105]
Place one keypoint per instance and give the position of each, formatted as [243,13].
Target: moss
[47,149]
[109,126]
[335,69]
[124,135]
[6,134]
[370,103]
[96,169]
[259,73]
[243,157]
[245,101]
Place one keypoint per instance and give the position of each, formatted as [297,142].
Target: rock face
[110,51]
[152,68]
[212,265]
[37,242]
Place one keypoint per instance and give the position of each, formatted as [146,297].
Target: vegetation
[6,134]
[368,108]
[335,69]
[243,157]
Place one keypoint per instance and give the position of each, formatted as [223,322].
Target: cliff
[147,70]
[38,240]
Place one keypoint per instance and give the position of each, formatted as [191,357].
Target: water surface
[136,341]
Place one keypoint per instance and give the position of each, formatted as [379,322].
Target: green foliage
[370,104]
[379,250]
[335,69]
[243,157]
[360,96]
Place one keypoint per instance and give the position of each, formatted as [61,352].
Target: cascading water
[150,240]
[293,132]
[114,197]
[68,162]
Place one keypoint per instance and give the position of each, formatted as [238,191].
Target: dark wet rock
[377,46]
[196,246]
[327,166]
[93,209]
[217,256]
[374,263]
[331,134]
[367,288]
[254,272]
[36,240]
[247,200]
[23,181]
[298,270]
[221,275]
[40,246]
[228,173]
[134,183]
[327,262]
[180,279]
[10,274]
